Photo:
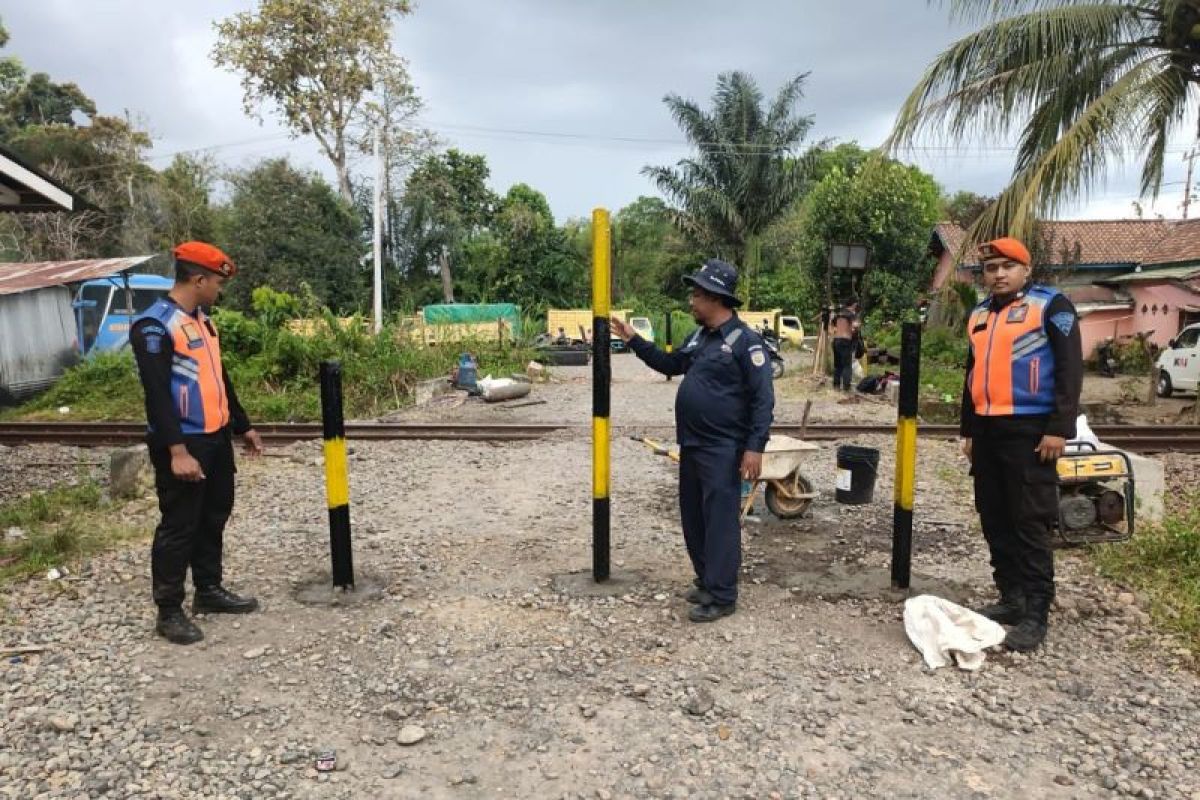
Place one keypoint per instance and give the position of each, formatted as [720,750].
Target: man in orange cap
[1020,402]
[192,412]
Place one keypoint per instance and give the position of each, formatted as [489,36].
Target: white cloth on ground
[946,633]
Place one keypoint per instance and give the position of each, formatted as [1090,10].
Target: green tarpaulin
[473,313]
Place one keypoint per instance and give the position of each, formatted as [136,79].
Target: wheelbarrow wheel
[787,498]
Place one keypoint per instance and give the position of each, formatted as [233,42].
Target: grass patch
[105,387]
[1163,563]
[60,526]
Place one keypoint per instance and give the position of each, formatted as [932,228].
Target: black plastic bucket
[856,468]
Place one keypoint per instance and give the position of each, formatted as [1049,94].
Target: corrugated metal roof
[22,277]
[1169,274]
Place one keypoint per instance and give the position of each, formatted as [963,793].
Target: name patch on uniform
[1064,321]
[193,336]
[1017,313]
[758,358]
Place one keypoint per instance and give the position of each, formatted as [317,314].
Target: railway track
[96,434]
[1138,438]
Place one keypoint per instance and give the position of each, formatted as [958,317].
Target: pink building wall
[1161,308]
[1097,326]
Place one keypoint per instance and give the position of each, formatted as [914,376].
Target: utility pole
[377,239]
[1187,184]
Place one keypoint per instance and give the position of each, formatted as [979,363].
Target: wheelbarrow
[789,493]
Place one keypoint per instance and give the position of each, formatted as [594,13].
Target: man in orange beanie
[192,412]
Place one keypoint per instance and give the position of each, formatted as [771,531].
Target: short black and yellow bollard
[906,455]
[337,476]
[601,382]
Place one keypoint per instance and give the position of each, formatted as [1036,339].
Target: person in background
[1020,402]
[193,413]
[842,328]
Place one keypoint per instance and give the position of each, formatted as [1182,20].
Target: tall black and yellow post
[337,476]
[670,342]
[906,455]
[601,387]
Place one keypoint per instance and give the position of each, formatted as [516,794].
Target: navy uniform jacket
[726,398]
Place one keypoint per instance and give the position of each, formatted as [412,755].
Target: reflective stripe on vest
[196,383]
[1013,373]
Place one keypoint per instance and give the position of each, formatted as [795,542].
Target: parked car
[643,327]
[791,330]
[1179,364]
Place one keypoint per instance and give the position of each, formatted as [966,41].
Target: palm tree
[745,173]
[1090,82]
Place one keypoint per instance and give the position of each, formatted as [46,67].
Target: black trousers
[709,508]
[192,529]
[843,363]
[1017,504]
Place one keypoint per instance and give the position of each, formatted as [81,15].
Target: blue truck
[106,307]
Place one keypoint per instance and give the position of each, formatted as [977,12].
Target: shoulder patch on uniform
[1064,321]
[154,327]
[758,358]
[153,342]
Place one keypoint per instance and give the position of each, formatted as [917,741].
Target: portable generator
[1095,496]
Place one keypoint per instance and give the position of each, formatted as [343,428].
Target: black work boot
[698,595]
[710,612]
[1011,608]
[219,600]
[174,626]
[1031,630]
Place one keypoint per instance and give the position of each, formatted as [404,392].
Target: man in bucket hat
[192,412]
[723,413]
[1020,401]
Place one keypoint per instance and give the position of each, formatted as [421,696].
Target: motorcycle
[771,342]
[1106,358]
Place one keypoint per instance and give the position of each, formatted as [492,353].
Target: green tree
[287,228]
[1088,82]
[328,66]
[446,203]
[524,258]
[745,174]
[40,101]
[889,207]
[963,207]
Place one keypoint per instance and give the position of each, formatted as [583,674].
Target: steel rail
[1141,438]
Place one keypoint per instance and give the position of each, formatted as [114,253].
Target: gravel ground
[486,667]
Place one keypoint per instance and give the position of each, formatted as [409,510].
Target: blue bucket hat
[716,277]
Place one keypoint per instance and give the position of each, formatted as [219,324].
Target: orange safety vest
[197,385]
[1013,374]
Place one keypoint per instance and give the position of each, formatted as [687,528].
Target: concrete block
[129,472]
[1150,484]
[426,391]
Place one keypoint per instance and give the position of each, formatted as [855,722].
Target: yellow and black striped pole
[337,475]
[601,387]
[670,343]
[906,455]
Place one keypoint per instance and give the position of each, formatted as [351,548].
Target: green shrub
[275,371]
[104,386]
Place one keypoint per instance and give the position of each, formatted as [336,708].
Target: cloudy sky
[565,95]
